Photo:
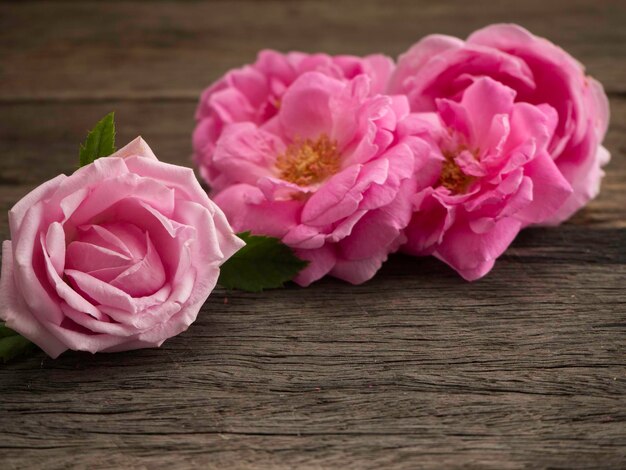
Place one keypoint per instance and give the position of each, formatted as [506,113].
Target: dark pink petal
[246,153]
[472,254]
[321,261]
[483,101]
[247,209]
[305,111]
[550,190]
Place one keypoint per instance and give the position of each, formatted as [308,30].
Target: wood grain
[138,50]
[415,369]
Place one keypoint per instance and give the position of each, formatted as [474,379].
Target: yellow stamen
[452,177]
[308,161]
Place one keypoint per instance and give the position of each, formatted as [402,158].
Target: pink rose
[443,67]
[330,174]
[493,176]
[254,94]
[120,255]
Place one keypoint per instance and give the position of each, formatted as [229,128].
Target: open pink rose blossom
[120,255]
[441,66]
[493,176]
[254,94]
[331,174]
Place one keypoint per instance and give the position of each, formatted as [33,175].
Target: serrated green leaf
[264,263]
[13,345]
[100,141]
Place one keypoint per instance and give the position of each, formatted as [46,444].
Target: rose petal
[17,315]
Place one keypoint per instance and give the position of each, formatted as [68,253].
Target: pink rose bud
[493,176]
[441,66]
[254,94]
[120,255]
[331,175]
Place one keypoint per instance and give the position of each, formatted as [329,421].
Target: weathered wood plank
[95,50]
[334,451]
[430,370]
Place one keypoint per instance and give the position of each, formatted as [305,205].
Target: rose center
[119,254]
[309,161]
[452,175]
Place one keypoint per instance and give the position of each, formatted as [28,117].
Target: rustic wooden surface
[523,369]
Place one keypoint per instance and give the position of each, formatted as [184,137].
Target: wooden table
[416,368]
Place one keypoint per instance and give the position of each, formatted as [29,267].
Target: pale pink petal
[155,336]
[101,236]
[88,257]
[17,315]
[55,246]
[174,176]
[144,277]
[79,338]
[137,147]
[143,320]
[213,230]
[68,295]
[101,292]
[112,191]
[98,326]
[227,241]
[29,269]
[19,210]
[86,177]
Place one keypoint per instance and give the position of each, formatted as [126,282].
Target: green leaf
[13,345]
[100,141]
[264,263]
[6,331]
